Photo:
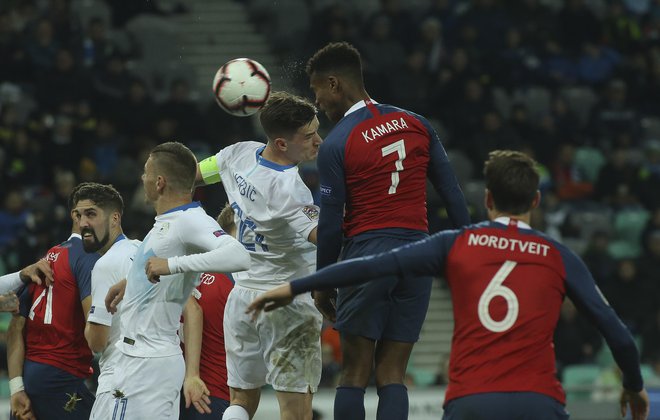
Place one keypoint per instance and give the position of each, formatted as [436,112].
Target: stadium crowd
[574,83]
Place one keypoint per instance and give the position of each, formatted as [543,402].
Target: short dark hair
[102,195]
[512,179]
[226,219]
[71,201]
[177,163]
[337,57]
[285,113]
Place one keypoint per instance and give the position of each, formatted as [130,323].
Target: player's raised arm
[425,257]
[583,291]
[208,172]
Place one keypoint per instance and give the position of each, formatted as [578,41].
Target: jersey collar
[505,221]
[268,164]
[358,105]
[184,207]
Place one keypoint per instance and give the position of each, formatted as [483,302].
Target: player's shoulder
[241,148]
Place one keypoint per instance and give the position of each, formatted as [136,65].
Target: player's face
[149,181]
[305,143]
[326,96]
[94,225]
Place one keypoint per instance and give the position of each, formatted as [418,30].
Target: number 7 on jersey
[398,147]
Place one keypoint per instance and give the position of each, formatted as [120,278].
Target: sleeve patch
[311,212]
[219,233]
[325,190]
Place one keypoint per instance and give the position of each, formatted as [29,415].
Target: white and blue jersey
[274,213]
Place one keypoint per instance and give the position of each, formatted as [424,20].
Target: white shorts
[146,388]
[282,348]
[103,404]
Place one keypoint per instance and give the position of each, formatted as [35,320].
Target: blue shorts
[51,391]
[505,406]
[388,308]
[218,407]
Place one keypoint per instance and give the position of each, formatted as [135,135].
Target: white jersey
[151,312]
[274,214]
[112,267]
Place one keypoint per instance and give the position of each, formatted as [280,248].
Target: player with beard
[48,356]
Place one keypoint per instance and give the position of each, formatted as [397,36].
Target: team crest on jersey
[311,212]
[206,278]
[164,228]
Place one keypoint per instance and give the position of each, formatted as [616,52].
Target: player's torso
[507,287]
[259,192]
[211,294]
[386,157]
[56,322]
[150,312]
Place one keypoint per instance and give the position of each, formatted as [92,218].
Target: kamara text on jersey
[493,241]
[382,129]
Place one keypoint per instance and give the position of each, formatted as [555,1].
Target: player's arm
[333,197]
[443,179]
[224,253]
[208,171]
[99,320]
[194,389]
[312,236]
[20,402]
[422,258]
[582,290]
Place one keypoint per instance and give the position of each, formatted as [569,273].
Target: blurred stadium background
[88,87]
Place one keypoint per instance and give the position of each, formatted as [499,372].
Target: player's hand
[114,296]
[155,268]
[21,407]
[638,402]
[39,273]
[326,302]
[196,393]
[9,302]
[272,299]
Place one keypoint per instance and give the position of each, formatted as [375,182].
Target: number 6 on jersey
[496,288]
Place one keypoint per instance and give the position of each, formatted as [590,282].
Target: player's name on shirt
[244,188]
[498,242]
[372,134]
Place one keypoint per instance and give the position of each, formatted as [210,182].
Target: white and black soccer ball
[241,86]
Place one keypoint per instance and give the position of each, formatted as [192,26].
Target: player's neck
[169,201]
[113,237]
[354,96]
[271,154]
[525,217]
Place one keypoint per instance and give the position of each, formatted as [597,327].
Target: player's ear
[281,144]
[333,83]
[160,183]
[488,199]
[537,200]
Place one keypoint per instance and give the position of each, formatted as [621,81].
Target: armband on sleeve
[210,170]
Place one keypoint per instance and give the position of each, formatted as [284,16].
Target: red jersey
[211,294]
[55,322]
[373,168]
[503,325]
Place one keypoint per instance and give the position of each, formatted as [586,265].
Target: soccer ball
[241,86]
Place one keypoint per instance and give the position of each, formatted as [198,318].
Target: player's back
[386,156]
[274,213]
[507,286]
[55,320]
